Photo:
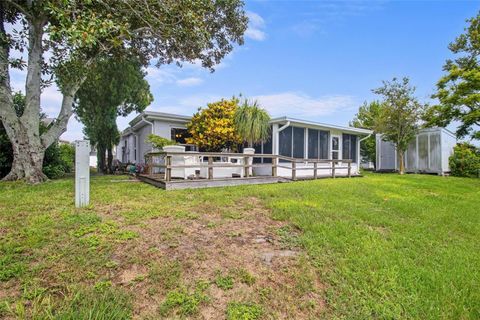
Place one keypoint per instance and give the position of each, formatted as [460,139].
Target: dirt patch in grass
[236,255]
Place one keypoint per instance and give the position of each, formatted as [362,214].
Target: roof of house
[153,115]
[320,125]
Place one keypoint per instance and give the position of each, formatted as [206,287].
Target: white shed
[427,153]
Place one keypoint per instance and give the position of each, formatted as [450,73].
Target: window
[135,148]
[349,147]
[179,134]
[335,147]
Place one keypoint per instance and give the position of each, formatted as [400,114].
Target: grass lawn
[383,247]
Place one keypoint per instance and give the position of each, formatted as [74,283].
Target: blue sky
[315,60]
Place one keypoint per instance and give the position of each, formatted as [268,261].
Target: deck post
[210,168]
[294,170]
[274,166]
[349,169]
[150,164]
[315,165]
[333,169]
[246,169]
[168,170]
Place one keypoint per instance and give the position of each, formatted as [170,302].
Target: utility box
[428,152]
[82,173]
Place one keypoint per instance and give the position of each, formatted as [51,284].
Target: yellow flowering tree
[212,128]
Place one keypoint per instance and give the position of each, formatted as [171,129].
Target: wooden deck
[207,174]
[176,184]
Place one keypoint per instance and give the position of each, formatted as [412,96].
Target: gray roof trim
[294,121]
[153,115]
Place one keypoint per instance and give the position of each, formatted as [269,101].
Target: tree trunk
[401,164]
[101,160]
[27,160]
[110,160]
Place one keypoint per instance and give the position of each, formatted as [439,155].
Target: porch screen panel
[267,148]
[285,142]
[323,149]
[346,146]
[298,142]
[349,147]
[312,144]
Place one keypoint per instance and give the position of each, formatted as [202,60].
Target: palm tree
[252,123]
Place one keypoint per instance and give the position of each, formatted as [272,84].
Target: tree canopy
[459,89]
[115,87]
[212,128]
[76,33]
[400,115]
[367,117]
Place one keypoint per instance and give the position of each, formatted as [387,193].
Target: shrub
[67,156]
[213,129]
[159,142]
[465,161]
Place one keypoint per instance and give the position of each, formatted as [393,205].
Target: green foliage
[400,115]
[114,87]
[67,156]
[159,142]
[243,311]
[245,277]
[80,36]
[252,123]
[458,89]
[367,117]
[185,302]
[465,161]
[212,128]
[224,282]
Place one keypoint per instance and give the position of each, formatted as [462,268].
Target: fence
[246,165]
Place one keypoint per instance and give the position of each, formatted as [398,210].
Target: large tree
[459,89]
[115,87]
[76,33]
[367,117]
[400,115]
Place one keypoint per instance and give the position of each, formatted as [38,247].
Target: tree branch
[20,8]
[59,126]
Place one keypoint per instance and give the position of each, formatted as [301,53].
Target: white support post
[82,173]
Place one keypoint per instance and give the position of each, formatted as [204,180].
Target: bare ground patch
[235,254]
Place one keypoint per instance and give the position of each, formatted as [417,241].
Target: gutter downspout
[286,125]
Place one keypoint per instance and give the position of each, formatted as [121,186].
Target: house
[290,137]
[428,152]
[133,147]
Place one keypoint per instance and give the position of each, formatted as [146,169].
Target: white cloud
[302,105]
[189,82]
[256,24]
[51,100]
[159,76]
